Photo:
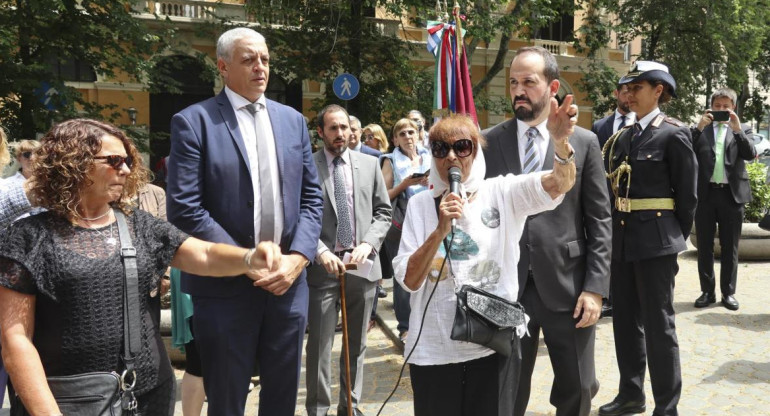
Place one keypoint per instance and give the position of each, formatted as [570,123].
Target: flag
[453,91]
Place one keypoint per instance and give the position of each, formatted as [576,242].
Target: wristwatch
[561,161]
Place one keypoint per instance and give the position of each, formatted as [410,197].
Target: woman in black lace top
[61,275]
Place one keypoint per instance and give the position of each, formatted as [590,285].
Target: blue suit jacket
[602,128]
[210,194]
[369,151]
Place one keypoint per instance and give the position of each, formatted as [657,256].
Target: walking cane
[346,345]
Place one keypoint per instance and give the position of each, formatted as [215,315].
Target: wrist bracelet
[561,161]
[247,257]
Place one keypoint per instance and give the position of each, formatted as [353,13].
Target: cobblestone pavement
[725,355]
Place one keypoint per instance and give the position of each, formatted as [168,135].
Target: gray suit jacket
[372,207]
[569,247]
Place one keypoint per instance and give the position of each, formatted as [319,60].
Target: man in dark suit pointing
[722,147]
[565,253]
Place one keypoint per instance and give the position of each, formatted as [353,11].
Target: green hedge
[760,192]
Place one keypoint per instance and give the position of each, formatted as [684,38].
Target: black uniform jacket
[663,165]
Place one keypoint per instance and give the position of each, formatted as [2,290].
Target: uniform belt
[718,185]
[644,204]
[652,203]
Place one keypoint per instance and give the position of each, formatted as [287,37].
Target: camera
[720,115]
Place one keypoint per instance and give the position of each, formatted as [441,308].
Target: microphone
[455,177]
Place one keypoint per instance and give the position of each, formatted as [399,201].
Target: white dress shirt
[630,120]
[247,124]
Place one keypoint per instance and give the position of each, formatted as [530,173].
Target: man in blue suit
[355,142]
[241,171]
[623,116]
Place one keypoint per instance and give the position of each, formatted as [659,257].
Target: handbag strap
[131,322]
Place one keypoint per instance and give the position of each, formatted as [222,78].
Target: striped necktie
[531,158]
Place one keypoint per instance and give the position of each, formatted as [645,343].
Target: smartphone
[720,115]
[420,175]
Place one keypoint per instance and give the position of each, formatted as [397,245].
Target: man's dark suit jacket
[210,193]
[569,247]
[602,128]
[738,149]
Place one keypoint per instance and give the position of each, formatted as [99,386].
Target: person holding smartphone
[721,143]
[402,171]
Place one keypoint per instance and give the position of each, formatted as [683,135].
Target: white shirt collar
[644,121]
[238,101]
[330,157]
[541,128]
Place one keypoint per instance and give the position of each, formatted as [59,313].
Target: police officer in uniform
[653,171]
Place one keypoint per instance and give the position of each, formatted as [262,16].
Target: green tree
[705,43]
[40,37]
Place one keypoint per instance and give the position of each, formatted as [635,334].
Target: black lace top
[77,277]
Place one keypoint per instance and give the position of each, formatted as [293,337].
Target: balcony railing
[193,10]
[553,46]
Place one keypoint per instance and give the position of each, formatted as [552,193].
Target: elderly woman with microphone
[479,223]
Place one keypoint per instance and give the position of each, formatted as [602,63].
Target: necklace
[111,240]
[95,218]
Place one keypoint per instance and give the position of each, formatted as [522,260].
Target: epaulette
[672,120]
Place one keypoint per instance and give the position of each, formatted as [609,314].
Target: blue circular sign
[346,86]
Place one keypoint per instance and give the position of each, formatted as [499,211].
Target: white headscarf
[469,185]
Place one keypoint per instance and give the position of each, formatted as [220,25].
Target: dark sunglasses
[26,155]
[462,148]
[117,161]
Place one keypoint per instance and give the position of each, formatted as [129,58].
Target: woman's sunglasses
[462,148]
[26,155]
[117,161]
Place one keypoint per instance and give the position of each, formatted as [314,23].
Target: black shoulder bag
[483,318]
[105,393]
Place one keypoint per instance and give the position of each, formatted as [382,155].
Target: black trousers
[481,387]
[571,351]
[718,207]
[645,331]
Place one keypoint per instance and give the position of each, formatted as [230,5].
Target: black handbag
[485,319]
[105,393]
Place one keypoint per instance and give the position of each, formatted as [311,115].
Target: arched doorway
[177,82]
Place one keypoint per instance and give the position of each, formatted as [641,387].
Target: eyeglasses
[368,136]
[462,148]
[117,161]
[26,155]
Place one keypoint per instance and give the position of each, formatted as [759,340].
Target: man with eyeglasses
[419,120]
[355,142]
[565,253]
